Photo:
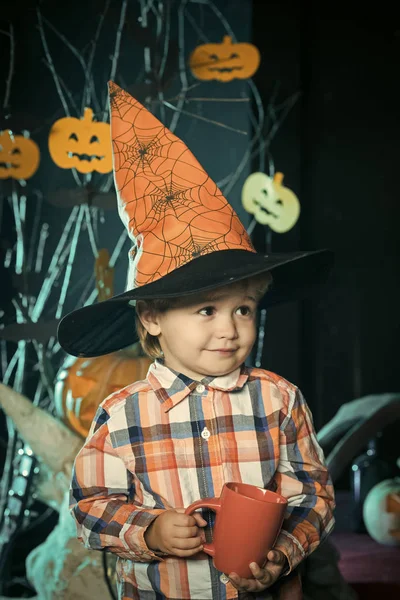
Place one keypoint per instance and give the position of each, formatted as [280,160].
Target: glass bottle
[367,470]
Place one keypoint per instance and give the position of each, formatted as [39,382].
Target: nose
[226,328]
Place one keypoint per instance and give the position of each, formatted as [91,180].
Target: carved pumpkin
[224,61]
[270,202]
[81,144]
[84,383]
[19,156]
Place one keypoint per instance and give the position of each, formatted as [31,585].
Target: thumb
[199,519]
[276,556]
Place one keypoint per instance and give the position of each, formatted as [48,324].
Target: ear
[148,318]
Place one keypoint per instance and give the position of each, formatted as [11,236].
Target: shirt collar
[172,387]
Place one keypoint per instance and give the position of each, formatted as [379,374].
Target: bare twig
[89,88]
[197,29]
[194,99]
[145,6]
[71,258]
[182,65]
[55,265]
[167,29]
[35,228]
[90,230]
[6,102]
[115,55]
[19,260]
[50,63]
[185,112]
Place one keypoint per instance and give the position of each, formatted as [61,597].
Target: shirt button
[200,388]
[205,434]
[224,578]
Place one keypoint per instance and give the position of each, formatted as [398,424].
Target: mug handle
[211,503]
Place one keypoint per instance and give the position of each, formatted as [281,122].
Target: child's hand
[263,577]
[175,533]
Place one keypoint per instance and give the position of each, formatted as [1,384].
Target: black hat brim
[109,326]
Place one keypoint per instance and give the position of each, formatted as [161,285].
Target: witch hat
[186,236]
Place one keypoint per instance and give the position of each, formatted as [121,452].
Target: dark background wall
[339,150]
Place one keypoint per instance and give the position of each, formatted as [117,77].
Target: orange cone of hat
[171,208]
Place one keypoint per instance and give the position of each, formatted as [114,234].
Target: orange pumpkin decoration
[81,144]
[84,383]
[270,202]
[19,156]
[104,275]
[224,61]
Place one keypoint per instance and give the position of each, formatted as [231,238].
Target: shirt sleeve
[102,498]
[302,477]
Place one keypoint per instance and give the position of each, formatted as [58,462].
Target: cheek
[252,333]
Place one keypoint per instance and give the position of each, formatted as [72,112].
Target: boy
[201,417]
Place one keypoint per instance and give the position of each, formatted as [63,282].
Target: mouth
[225,69]
[225,350]
[264,209]
[7,165]
[88,157]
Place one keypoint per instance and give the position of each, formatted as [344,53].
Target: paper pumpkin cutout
[104,275]
[85,382]
[81,144]
[224,61]
[270,202]
[19,156]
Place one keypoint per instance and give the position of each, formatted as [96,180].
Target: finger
[263,575]
[187,543]
[183,520]
[242,584]
[256,570]
[186,532]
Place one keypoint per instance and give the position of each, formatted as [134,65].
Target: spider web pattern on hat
[172,209]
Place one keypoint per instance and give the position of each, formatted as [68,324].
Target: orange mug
[248,521]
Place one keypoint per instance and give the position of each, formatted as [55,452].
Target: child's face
[212,336]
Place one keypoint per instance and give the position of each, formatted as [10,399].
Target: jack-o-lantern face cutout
[270,202]
[225,61]
[19,156]
[81,144]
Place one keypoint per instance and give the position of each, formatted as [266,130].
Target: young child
[201,418]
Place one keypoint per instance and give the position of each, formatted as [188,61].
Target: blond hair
[151,345]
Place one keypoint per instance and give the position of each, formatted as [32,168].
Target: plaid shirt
[167,441]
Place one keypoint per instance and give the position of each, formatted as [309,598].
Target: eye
[234,55]
[15,151]
[207,311]
[73,136]
[265,192]
[94,138]
[279,201]
[244,311]
[214,56]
